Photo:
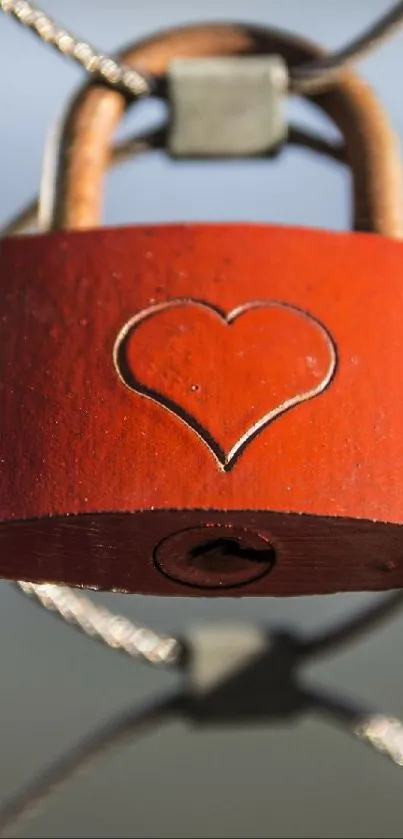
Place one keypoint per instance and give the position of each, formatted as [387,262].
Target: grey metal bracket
[226,107]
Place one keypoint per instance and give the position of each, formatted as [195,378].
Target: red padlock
[205,409]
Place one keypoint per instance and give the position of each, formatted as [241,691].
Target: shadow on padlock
[171,391]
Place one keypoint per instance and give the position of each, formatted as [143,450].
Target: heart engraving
[226,375]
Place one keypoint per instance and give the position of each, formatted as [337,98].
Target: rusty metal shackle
[88,129]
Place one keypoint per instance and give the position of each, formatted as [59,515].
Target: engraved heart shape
[226,375]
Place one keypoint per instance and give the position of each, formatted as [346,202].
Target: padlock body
[163,385]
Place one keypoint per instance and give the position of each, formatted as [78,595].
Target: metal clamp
[228,107]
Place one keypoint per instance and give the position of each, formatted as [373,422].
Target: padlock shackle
[91,121]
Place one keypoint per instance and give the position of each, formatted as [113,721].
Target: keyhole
[215,556]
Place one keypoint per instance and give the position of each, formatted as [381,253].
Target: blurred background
[302,780]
